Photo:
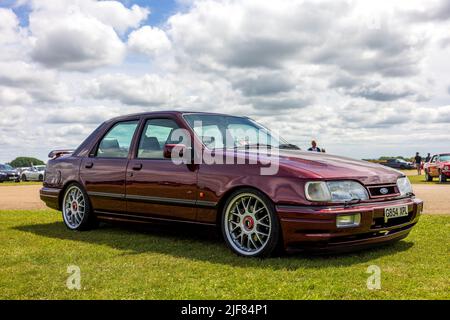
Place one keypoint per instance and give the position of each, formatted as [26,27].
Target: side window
[433,160]
[116,143]
[210,135]
[157,133]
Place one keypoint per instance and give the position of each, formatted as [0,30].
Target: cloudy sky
[364,79]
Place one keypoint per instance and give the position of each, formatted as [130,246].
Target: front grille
[380,191]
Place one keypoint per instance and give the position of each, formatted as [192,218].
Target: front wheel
[249,224]
[428,177]
[24,177]
[442,177]
[76,209]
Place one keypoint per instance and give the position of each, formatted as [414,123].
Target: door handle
[137,166]
[89,165]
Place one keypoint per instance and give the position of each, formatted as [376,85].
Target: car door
[156,186]
[103,172]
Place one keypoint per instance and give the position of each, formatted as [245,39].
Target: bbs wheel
[76,209]
[249,224]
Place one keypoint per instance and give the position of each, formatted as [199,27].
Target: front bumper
[9,177]
[51,197]
[308,228]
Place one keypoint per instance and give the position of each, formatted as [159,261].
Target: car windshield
[5,167]
[219,132]
[444,157]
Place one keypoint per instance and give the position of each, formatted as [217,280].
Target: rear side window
[116,143]
[157,133]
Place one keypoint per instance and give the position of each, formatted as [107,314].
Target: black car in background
[8,173]
[398,164]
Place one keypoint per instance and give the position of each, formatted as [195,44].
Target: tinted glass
[444,157]
[116,143]
[157,133]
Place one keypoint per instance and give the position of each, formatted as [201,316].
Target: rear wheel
[428,177]
[41,177]
[76,209]
[249,224]
[442,177]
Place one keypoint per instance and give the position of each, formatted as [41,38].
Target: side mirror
[169,148]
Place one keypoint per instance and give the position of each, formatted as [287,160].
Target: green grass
[193,263]
[415,179]
[22,183]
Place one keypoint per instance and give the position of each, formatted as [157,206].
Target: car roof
[168,112]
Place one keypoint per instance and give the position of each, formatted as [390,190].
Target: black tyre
[76,209]
[249,224]
[442,177]
[428,177]
[41,177]
[24,177]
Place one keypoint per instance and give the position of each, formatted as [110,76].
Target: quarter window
[116,143]
[157,133]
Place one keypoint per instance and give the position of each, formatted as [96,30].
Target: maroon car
[126,171]
[438,167]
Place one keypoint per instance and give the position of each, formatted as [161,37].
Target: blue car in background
[8,173]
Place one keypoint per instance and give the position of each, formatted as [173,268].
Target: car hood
[9,171]
[316,165]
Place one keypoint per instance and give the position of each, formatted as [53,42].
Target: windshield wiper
[253,145]
[288,146]
[352,201]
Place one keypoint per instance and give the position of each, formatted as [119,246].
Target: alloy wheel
[74,207]
[248,224]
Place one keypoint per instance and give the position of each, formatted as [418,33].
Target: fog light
[348,220]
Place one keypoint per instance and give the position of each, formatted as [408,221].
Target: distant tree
[25,162]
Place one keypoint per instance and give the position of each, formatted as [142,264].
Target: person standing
[418,161]
[314,147]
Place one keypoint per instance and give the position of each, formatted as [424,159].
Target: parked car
[34,173]
[8,173]
[314,201]
[398,164]
[438,167]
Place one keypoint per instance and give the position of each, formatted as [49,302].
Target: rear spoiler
[58,153]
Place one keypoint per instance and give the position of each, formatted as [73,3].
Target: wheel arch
[64,188]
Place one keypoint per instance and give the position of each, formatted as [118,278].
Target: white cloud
[149,41]
[9,26]
[81,35]
[29,82]
[148,89]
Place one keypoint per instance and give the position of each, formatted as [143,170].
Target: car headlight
[335,191]
[404,186]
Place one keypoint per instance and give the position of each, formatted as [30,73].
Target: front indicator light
[348,220]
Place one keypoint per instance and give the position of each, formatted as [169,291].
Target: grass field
[415,179]
[22,183]
[119,262]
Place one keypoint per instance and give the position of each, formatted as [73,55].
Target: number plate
[395,212]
